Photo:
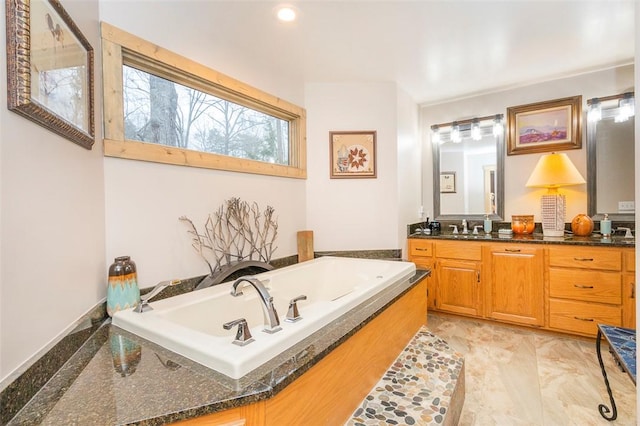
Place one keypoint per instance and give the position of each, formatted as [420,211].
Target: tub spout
[144,306]
[271,320]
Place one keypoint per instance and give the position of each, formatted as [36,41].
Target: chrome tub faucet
[271,320]
[144,306]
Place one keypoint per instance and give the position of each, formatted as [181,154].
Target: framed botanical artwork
[447,182]
[50,69]
[545,126]
[352,154]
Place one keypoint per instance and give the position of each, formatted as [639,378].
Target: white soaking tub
[191,324]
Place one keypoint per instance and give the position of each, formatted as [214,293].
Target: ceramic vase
[122,291]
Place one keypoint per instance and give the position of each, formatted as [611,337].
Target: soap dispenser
[605,226]
[487,224]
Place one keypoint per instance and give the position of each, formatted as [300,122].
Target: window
[159,106]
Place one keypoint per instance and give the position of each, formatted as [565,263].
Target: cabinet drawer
[459,250]
[420,248]
[586,257]
[590,286]
[582,317]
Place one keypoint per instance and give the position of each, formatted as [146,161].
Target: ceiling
[433,50]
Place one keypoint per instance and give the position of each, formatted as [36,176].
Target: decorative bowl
[522,224]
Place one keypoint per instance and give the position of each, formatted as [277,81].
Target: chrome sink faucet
[465,230]
[271,320]
[627,233]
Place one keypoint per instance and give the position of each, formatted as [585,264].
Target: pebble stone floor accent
[418,387]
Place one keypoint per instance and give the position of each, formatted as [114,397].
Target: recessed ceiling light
[286,14]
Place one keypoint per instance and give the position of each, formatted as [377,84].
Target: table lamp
[553,171]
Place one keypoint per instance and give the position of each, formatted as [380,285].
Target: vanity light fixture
[607,107]
[553,171]
[473,128]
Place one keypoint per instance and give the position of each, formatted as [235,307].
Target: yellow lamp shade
[554,170]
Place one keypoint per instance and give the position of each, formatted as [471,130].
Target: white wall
[350,214]
[409,167]
[520,199]
[52,224]
[144,200]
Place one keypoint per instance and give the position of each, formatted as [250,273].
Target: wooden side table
[622,344]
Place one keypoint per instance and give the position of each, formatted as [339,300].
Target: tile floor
[517,376]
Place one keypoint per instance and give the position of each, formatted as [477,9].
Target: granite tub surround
[119,378]
[424,386]
[518,376]
[25,384]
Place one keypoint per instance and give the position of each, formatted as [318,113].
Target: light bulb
[456,137]
[476,133]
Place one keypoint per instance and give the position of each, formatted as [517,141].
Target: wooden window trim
[118,45]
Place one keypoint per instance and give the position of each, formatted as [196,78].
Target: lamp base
[552,233]
[553,212]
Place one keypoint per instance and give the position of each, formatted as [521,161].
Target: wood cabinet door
[515,286]
[458,286]
[629,301]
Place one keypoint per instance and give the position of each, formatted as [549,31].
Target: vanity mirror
[468,169]
[610,157]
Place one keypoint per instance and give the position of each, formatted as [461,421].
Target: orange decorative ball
[582,225]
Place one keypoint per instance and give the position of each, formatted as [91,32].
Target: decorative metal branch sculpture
[234,234]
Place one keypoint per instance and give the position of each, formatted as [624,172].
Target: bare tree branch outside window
[160,111]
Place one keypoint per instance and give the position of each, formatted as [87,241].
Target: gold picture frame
[50,69]
[554,125]
[352,154]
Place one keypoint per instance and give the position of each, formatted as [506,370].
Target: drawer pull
[582,286]
[633,291]
[421,249]
[584,319]
[512,250]
[583,259]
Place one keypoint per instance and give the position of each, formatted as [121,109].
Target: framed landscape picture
[545,126]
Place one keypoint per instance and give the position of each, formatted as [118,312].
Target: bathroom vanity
[569,285]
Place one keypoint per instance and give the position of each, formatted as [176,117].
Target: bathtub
[191,324]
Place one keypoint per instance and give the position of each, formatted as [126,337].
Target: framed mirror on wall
[468,168]
[610,157]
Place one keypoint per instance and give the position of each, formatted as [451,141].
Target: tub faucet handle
[243,335]
[293,314]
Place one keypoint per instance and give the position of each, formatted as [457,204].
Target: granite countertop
[119,378]
[595,240]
